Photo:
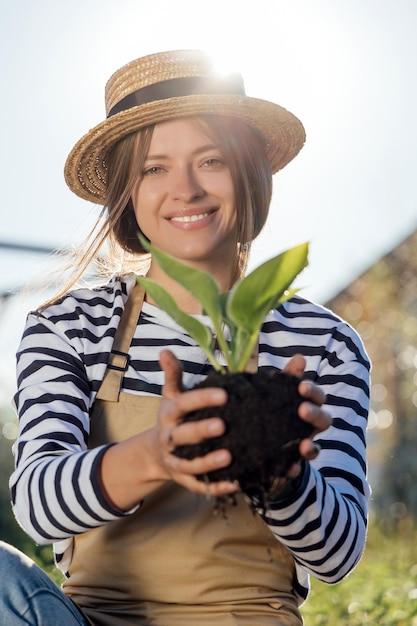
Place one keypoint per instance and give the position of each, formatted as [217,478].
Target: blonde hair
[117,229]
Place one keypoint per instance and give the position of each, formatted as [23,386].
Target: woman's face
[184,201]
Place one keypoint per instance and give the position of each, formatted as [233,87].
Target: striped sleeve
[55,488]
[324,523]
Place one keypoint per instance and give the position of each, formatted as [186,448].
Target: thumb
[173,374]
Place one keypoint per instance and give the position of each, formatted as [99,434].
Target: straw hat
[170,85]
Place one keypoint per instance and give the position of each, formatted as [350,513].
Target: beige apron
[175,562]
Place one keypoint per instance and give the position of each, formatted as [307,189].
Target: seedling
[241,310]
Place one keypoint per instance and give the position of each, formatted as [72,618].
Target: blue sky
[346,68]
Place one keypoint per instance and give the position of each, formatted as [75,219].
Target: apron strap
[119,356]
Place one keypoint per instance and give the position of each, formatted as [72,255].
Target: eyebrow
[207,147]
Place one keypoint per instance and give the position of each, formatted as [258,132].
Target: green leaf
[200,284]
[197,331]
[242,310]
[263,289]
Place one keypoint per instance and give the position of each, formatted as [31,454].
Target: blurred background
[347,69]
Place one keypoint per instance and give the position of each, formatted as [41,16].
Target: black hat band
[178,87]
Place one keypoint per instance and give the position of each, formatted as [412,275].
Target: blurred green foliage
[382,590]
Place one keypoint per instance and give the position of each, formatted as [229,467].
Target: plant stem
[247,352]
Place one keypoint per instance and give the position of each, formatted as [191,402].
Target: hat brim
[85,168]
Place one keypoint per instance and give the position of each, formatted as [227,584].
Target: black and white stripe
[61,363]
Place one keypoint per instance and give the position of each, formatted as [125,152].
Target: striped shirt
[61,362]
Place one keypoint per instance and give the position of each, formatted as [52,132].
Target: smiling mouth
[191,218]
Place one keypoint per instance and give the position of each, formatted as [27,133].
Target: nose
[185,185]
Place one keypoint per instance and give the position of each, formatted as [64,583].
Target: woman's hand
[311,411]
[136,467]
[170,432]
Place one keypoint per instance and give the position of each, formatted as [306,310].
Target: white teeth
[189,218]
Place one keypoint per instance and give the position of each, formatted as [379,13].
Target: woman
[187,158]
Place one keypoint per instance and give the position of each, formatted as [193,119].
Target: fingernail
[219,395]
[314,452]
[215,427]
[221,456]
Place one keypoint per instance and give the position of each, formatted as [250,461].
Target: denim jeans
[28,596]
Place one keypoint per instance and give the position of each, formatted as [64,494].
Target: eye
[214,163]
[152,170]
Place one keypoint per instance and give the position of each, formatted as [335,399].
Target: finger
[192,401]
[315,415]
[295,366]
[188,433]
[221,488]
[215,460]
[171,445]
[295,469]
[209,489]
[173,374]
[309,449]
[185,473]
[312,392]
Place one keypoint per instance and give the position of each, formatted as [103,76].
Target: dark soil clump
[263,430]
